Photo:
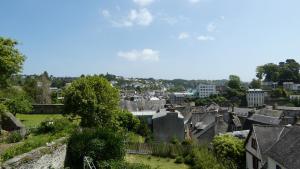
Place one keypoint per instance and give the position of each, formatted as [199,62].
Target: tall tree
[93,99]
[255,84]
[11,60]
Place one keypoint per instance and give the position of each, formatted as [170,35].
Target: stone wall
[52,156]
[47,109]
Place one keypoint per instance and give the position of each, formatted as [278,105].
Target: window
[278,167]
[253,144]
[254,162]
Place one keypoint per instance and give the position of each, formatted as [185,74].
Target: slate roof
[264,119]
[266,136]
[286,151]
[269,112]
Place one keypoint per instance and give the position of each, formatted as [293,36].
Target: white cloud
[205,38]
[105,13]
[136,55]
[143,2]
[194,1]
[211,27]
[183,35]
[140,17]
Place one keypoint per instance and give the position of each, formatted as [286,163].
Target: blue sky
[190,39]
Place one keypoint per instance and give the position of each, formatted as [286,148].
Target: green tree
[234,82]
[93,99]
[236,93]
[11,60]
[127,121]
[227,147]
[255,84]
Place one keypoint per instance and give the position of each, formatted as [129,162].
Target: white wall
[272,164]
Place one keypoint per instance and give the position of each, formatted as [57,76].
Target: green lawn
[155,162]
[33,120]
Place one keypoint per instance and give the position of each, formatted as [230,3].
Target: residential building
[269,85]
[179,97]
[206,90]
[291,86]
[273,147]
[168,124]
[255,97]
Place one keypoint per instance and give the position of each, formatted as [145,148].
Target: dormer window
[253,144]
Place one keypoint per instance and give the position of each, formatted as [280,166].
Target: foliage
[179,159]
[255,84]
[227,147]
[118,164]
[279,92]
[287,71]
[143,129]
[209,100]
[134,138]
[54,125]
[11,60]
[14,137]
[32,142]
[18,104]
[203,159]
[127,121]
[34,120]
[100,144]
[93,99]
[236,93]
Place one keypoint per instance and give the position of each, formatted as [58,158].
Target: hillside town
[149,84]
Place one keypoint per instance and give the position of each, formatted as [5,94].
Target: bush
[189,159]
[14,137]
[99,144]
[203,159]
[179,160]
[54,126]
[231,149]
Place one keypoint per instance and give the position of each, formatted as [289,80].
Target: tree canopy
[287,71]
[93,99]
[11,60]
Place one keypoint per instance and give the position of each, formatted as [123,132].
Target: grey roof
[142,105]
[269,112]
[236,121]
[164,112]
[265,119]
[286,151]
[288,108]
[266,136]
[242,111]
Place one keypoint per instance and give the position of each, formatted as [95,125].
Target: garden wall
[52,156]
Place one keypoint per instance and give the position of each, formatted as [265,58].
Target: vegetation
[255,84]
[155,162]
[35,140]
[34,120]
[218,99]
[287,71]
[231,149]
[11,60]
[236,92]
[94,100]
[101,144]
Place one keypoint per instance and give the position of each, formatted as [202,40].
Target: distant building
[168,124]
[291,86]
[205,90]
[269,85]
[294,97]
[255,97]
[179,97]
[145,115]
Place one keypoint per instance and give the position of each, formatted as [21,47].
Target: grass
[155,162]
[33,120]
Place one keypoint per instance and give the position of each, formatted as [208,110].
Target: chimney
[250,113]
[275,106]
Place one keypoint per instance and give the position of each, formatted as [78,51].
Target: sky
[189,39]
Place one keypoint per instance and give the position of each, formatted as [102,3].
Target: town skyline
[182,39]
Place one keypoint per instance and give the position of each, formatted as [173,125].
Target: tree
[11,60]
[287,71]
[255,84]
[127,121]
[19,104]
[227,147]
[234,82]
[93,99]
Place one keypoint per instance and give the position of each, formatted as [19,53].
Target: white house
[205,90]
[255,97]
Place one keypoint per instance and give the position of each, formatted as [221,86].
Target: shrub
[54,126]
[14,137]
[189,159]
[179,160]
[100,144]
[204,159]
[229,148]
